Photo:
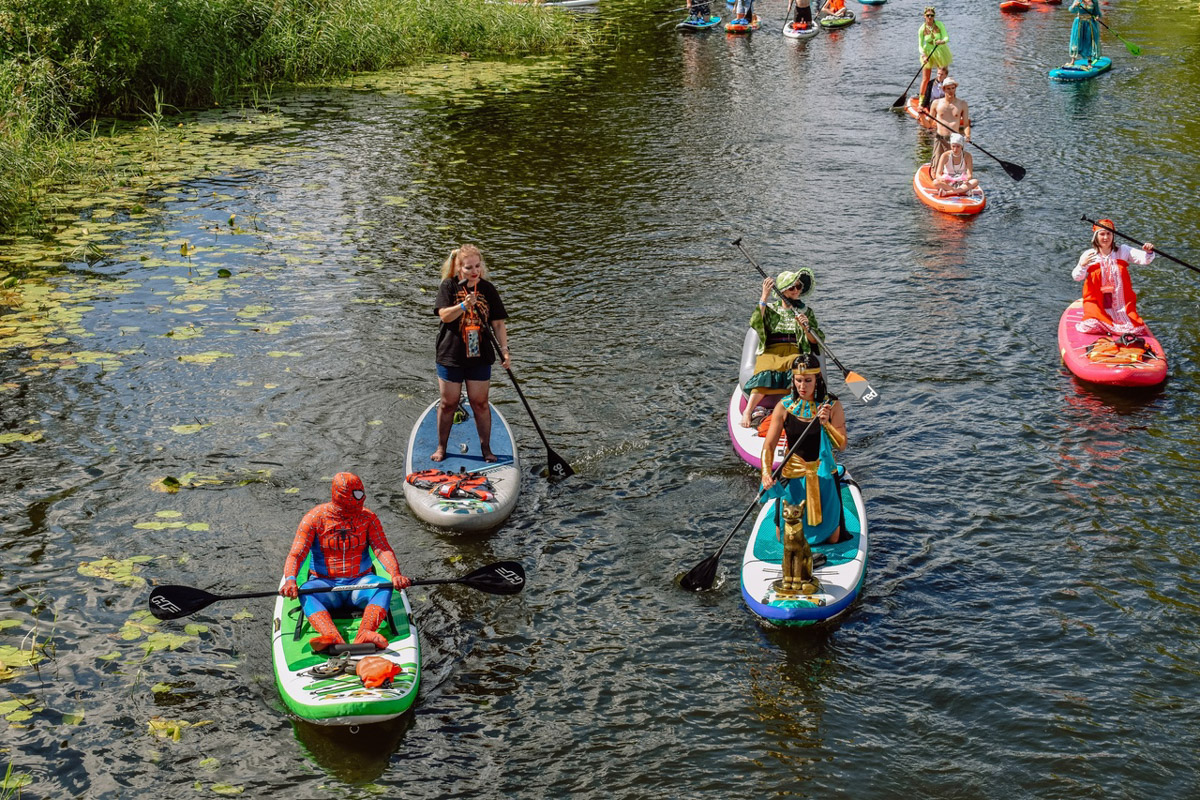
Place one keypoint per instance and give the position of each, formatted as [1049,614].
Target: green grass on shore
[63,62]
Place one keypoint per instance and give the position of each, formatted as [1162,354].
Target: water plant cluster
[64,62]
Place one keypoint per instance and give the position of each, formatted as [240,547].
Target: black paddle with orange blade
[173,602]
[854,382]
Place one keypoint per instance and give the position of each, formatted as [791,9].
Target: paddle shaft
[903,97]
[738,244]
[1132,48]
[774,476]
[1116,232]
[556,465]
[331,589]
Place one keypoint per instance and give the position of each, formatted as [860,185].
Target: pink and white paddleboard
[1073,346]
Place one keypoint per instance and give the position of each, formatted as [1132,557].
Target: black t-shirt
[451,340]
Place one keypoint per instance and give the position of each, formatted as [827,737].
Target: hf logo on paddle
[158,601]
[510,576]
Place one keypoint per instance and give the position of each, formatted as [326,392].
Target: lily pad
[123,571]
[16,657]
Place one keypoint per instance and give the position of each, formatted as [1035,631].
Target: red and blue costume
[341,535]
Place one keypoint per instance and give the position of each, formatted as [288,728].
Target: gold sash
[798,468]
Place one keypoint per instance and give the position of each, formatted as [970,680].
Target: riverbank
[61,68]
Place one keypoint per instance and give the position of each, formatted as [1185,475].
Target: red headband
[1104,224]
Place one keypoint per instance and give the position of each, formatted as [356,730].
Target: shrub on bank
[62,61]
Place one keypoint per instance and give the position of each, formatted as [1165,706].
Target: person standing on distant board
[932,46]
[1085,32]
[472,315]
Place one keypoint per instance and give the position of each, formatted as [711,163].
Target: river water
[1032,609]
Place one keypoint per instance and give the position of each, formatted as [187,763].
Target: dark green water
[1030,619]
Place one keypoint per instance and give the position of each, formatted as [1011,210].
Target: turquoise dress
[1085,30]
[794,491]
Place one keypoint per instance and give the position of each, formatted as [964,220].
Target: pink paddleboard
[1073,346]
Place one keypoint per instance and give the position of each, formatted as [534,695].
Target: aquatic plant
[64,63]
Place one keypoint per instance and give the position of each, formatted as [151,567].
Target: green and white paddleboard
[342,699]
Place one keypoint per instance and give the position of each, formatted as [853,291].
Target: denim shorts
[478,372]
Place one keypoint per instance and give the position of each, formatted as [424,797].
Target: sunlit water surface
[1030,618]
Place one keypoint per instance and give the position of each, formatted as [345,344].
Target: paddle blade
[1133,49]
[701,577]
[557,466]
[173,602]
[861,389]
[503,577]
[901,100]
[1015,171]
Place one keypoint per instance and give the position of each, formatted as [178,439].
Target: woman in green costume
[933,46]
[778,340]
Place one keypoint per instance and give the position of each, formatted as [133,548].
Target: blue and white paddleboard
[841,577]
[1080,71]
[463,454]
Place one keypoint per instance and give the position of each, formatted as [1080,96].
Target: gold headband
[810,371]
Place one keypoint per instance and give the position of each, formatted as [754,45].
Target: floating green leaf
[15,657]
[227,789]
[9,623]
[123,572]
[9,438]
[195,628]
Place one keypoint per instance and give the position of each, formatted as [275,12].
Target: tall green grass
[64,61]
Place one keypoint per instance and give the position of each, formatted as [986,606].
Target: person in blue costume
[808,481]
[1085,32]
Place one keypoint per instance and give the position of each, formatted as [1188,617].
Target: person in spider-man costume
[341,535]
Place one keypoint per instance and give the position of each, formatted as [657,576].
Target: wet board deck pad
[841,577]
[792,32]
[463,514]
[1073,347]
[838,22]
[1081,71]
[959,205]
[342,699]
[698,24]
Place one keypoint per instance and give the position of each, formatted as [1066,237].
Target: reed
[62,64]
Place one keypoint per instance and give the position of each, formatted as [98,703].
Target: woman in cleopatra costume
[778,326]
[808,485]
[808,479]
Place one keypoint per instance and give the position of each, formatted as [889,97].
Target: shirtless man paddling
[951,112]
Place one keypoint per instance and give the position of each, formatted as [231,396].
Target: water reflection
[353,755]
